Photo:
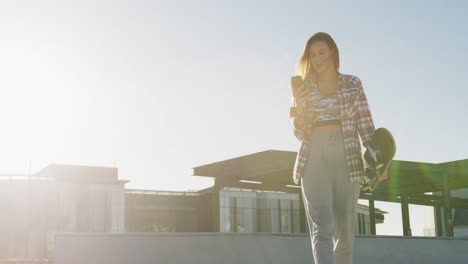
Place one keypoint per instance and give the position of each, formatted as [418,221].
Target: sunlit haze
[155,88]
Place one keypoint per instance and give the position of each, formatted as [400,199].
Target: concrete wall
[461,231]
[257,248]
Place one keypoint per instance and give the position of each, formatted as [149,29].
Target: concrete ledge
[245,248]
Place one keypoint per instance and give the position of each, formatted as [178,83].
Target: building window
[263,216]
[285,207]
[233,214]
[240,220]
[243,211]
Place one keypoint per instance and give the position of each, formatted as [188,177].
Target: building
[57,199]
[452,221]
[225,210]
[166,211]
[251,194]
[435,219]
[231,204]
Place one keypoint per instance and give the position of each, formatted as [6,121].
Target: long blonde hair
[304,67]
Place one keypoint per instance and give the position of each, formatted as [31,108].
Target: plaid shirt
[355,117]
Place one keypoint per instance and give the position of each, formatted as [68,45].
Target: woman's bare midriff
[327,128]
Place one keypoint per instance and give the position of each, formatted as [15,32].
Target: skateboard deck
[377,158]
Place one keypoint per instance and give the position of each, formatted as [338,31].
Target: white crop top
[324,108]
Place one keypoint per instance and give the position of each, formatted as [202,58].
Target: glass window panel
[285,204]
[275,221]
[295,204]
[221,202]
[249,202]
[253,213]
[249,220]
[240,202]
[232,215]
[285,221]
[240,220]
[227,220]
[264,220]
[250,195]
[221,219]
[261,203]
[296,223]
[272,203]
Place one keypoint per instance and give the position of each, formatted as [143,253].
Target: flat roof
[275,167]
[78,173]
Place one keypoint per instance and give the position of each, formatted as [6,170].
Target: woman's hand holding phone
[299,92]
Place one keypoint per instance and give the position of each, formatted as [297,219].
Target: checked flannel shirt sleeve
[365,124]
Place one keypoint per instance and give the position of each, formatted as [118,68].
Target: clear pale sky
[158,87]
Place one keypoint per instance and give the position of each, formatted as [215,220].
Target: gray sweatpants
[330,199]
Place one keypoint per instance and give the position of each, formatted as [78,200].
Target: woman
[328,114]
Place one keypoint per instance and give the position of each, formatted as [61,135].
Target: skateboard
[377,158]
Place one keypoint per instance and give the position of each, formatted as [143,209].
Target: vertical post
[405,215]
[215,206]
[372,215]
[438,215]
[279,215]
[216,218]
[447,209]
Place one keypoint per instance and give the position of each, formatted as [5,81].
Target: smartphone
[297,86]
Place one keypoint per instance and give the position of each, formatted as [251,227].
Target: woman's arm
[365,124]
[298,119]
